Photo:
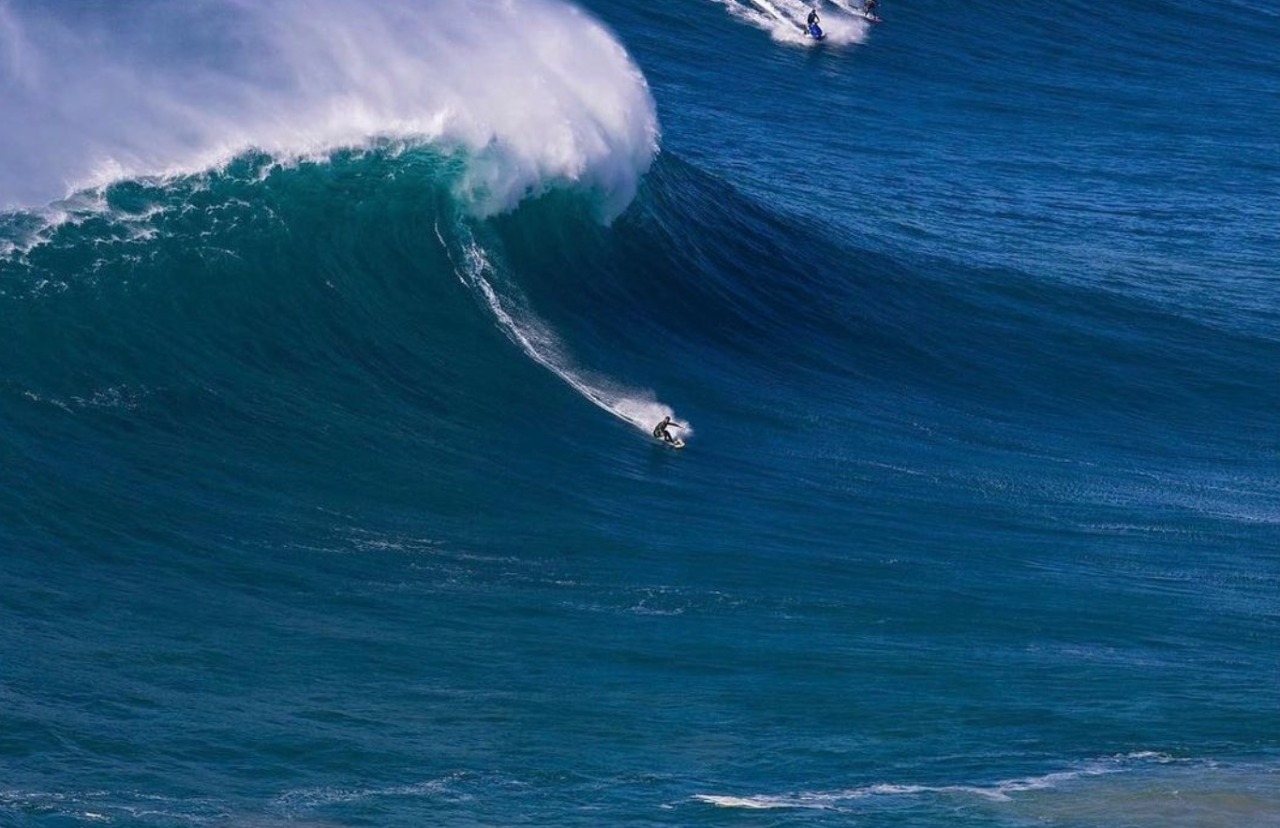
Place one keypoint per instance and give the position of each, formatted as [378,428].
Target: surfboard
[678,444]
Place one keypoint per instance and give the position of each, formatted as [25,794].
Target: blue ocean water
[332,336]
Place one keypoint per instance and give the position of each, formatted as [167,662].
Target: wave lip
[533,95]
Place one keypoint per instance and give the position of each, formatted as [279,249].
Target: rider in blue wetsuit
[813,25]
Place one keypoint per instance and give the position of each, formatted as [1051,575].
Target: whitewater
[536,94]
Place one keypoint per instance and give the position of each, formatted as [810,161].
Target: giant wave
[487,104]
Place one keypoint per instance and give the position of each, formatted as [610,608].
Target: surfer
[869,7]
[660,430]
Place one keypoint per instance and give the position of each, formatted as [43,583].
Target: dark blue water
[332,339]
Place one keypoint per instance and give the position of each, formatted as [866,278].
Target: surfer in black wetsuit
[660,430]
[869,7]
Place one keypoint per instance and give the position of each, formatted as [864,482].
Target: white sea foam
[1147,788]
[536,94]
[997,792]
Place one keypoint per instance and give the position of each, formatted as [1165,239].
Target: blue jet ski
[815,31]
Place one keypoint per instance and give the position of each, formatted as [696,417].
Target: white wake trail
[523,327]
[784,20]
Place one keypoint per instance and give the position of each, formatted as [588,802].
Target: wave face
[333,340]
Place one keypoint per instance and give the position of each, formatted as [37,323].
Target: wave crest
[533,95]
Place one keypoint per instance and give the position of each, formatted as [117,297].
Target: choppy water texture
[333,337]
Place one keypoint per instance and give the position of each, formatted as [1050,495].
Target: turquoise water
[332,339]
